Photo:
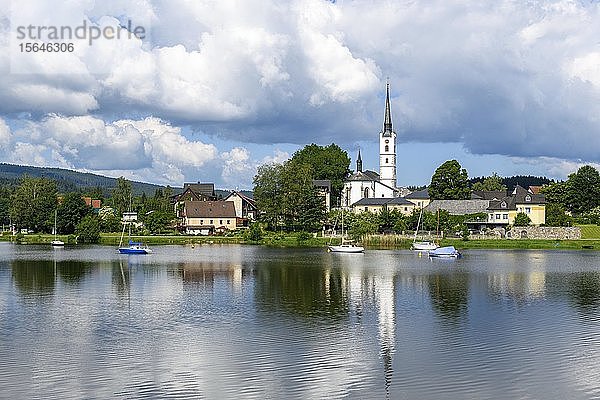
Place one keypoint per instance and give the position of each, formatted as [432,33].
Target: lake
[217,322]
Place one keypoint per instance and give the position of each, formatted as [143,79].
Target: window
[211,221]
[220,222]
[201,222]
[366,208]
[228,222]
[504,216]
[528,198]
[387,148]
[386,161]
[527,210]
[497,216]
[366,192]
[387,141]
[405,208]
[503,205]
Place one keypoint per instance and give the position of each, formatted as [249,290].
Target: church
[370,184]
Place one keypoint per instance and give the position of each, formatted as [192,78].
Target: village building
[323,187]
[375,205]
[207,217]
[245,206]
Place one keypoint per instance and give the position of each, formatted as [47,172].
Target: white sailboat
[56,242]
[345,246]
[423,245]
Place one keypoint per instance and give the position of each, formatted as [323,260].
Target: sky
[209,90]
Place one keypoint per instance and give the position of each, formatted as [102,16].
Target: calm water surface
[216,322]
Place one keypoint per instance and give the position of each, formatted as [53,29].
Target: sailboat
[345,246]
[56,242]
[424,245]
[132,247]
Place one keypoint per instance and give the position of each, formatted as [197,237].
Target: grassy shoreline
[293,240]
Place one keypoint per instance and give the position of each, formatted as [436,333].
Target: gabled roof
[364,176]
[459,207]
[419,194]
[201,188]
[241,195]
[524,196]
[380,201]
[209,209]
[505,203]
[488,194]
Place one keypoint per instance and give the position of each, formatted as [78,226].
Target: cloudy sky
[217,87]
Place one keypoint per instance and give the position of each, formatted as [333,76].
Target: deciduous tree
[449,182]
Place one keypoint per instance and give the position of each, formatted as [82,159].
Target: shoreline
[293,240]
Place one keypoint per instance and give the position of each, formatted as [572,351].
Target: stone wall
[544,232]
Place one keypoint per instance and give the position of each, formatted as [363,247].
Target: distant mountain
[69,181]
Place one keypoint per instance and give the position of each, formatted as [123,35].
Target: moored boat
[135,248]
[445,252]
[346,248]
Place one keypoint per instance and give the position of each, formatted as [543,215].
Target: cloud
[519,79]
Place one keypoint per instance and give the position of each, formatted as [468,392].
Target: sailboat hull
[135,248]
[424,246]
[346,248]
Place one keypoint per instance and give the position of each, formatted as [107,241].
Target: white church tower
[387,147]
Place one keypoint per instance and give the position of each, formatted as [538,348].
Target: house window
[504,216]
[228,222]
[211,221]
[221,222]
[366,208]
[527,210]
[405,208]
[503,205]
[387,149]
[366,192]
[497,216]
[528,198]
[201,222]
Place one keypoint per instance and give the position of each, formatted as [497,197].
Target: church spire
[387,121]
[359,162]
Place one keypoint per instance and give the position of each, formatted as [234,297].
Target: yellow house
[208,217]
[503,211]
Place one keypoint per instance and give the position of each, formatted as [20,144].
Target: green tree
[493,182]
[70,212]
[88,229]
[364,223]
[121,196]
[33,203]
[522,219]
[583,190]
[327,162]
[158,221]
[449,182]
[268,193]
[555,193]
[556,216]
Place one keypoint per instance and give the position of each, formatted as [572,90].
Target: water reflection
[269,323]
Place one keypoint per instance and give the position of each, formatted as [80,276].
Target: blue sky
[216,88]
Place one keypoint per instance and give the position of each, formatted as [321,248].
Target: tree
[88,230]
[556,216]
[158,221]
[555,193]
[329,162]
[33,204]
[583,190]
[268,193]
[522,219]
[70,212]
[449,182]
[490,183]
[121,196]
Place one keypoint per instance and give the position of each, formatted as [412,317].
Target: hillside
[68,180]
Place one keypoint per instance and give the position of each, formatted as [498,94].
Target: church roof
[364,176]
[380,201]
[387,119]
[419,194]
